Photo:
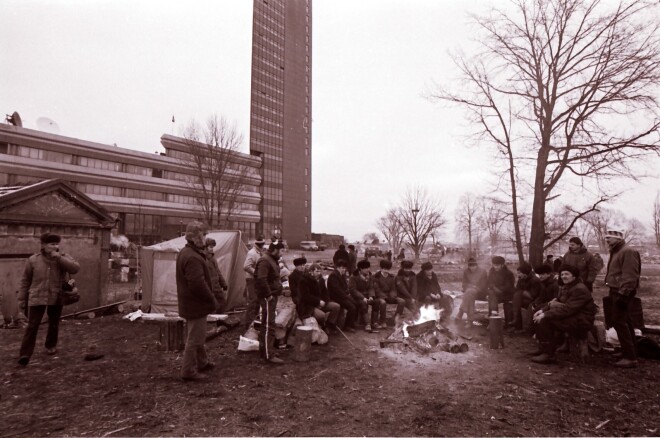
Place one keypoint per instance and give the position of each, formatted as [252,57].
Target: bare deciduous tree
[555,89]
[391,229]
[466,216]
[420,216]
[492,219]
[217,177]
[656,219]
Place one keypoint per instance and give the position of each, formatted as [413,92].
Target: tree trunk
[514,207]
[537,231]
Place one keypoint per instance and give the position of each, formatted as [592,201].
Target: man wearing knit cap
[581,258]
[196,301]
[623,271]
[528,288]
[39,293]
[295,276]
[500,288]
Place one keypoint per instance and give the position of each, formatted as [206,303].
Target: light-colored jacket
[251,260]
[43,277]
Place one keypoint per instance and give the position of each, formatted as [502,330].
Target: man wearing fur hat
[314,300]
[474,287]
[268,286]
[361,288]
[295,276]
[385,289]
[251,300]
[338,292]
[39,293]
[429,291]
[623,272]
[406,285]
[550,288]
[195,296]
[500,288]
[581,258]
[528,288]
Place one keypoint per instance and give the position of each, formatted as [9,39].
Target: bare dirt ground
[343,391]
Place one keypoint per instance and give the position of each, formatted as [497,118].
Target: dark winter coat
[477,280]
[585,262]
[549,291]
[502,280]
[406,284]
[310,294]
[294,279]
[361,287]
[218,283]
[267,279]
[531,284]
[340,254]
[42,279]
[352,262]
[384,287]
[427,286]
[193,284]
[575,302]
[623,269]
[337,287]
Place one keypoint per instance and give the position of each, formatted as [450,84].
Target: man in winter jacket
[295,276]
[474,287]
[361,288]
[573,312]
[623,272]
[195,296]
[338,292]
[500,288]
[550,288]
[385,289]
[314,300]
[429,292]
[582,259]
[406,285]
[268,286]
[352,260]
[528,288]
[39,293]
[340,254]
[251,300]
[219,285]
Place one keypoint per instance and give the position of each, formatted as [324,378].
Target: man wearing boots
[252,302]
[196,300]
[313,299]
[361,288]
[500,288]
[268,287]
[338,292]
[623,271]
[386,289]
[573,313]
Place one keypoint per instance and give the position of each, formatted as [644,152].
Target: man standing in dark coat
[196,300]
[268,286]
[623,272]
[352,260]
[581,258]
[340,254]
[500,288]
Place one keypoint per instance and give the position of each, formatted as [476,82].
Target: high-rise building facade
[280,115]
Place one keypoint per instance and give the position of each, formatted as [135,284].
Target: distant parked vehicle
[372,251]
[322,246]
[309,245]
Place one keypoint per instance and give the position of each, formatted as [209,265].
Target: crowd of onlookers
[552,300]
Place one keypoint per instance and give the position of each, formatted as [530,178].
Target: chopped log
[455,348]
[171,335]
[214,333]
[302,343]
[496,329]
[419,329]
[107,306]
[464,348]
[86,315]
[433,341]
[420,345]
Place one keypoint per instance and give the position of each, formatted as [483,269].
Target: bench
[171,329]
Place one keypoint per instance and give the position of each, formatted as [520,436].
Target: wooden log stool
[496,329]
[578,348]
[171,335]
[302,343]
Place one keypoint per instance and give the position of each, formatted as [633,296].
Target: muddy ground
[134,389]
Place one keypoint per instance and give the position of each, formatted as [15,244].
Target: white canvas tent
[158,268]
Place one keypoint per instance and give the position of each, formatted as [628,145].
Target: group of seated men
[360,290]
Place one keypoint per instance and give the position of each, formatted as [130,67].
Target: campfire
[427,333]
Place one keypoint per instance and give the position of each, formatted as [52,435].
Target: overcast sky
[116,71]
